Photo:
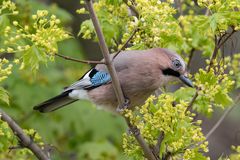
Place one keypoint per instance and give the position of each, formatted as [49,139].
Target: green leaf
[33,56]
[4,97]
[187,96]
[223,99]
[4,21]
[213,22]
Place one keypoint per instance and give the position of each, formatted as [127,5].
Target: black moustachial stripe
[171,72]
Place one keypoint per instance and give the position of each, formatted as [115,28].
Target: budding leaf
[33,56]
[4,97]
[223,99]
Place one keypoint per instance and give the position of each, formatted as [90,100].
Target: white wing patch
[82,83]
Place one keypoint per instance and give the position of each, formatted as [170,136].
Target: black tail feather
[54,103]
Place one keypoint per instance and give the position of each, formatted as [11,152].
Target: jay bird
[140,72]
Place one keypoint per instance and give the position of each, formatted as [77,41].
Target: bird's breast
[137,86]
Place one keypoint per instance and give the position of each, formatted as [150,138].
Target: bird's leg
[123,106]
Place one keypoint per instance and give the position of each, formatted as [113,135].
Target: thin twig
[214,54]
[159,142]
[126,43]
[233,31]
[115,81]
[190,57]
[218,123]
[25,140]
[227,111]
[78,60]
[192,101]
[132,8]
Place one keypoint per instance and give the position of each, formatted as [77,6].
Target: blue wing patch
[100,78]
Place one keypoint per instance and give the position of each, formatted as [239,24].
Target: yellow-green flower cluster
[214,86]
[160,116]
[235,68]
[236,155]
[8,8]
[158,27]
[220,5]
[195,36]
[156,24]
[45,34]
[36,137]
[5,69]
[225,13]
[4,130]
[8,139]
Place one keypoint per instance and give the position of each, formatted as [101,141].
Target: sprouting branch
[126,43]
[78,60]
[218,44]
[115,81]
[227,111]
[24,139]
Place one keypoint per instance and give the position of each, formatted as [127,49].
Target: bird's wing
[92,79]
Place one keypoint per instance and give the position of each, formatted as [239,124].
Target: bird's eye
[176,63]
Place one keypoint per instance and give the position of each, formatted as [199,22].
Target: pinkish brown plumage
[140,74]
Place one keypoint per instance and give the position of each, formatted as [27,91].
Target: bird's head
[175,66]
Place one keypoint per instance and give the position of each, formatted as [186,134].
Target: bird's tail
[54,103]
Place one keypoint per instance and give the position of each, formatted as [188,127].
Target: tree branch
[218,44]
[227,111]
[78,60]
[115,81]
[25,140]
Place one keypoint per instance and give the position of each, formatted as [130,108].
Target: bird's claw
[123,106]
[134,131]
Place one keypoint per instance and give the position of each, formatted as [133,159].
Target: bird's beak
[186,80]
